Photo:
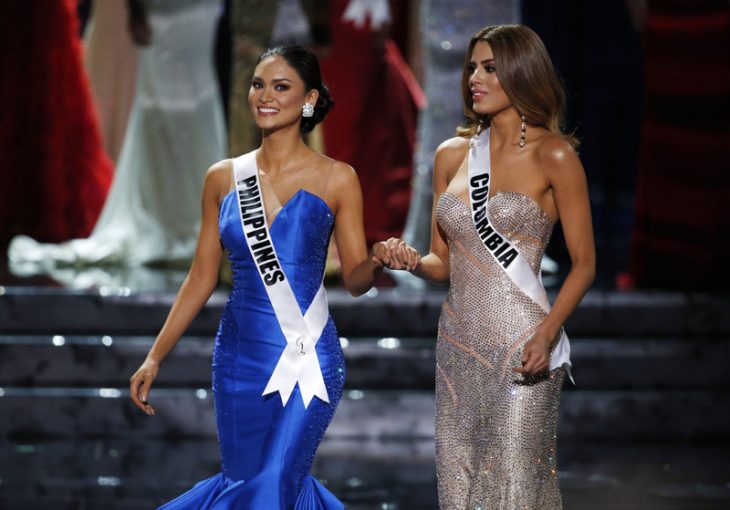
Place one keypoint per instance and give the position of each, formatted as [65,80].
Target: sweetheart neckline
[528,197]
[295,195]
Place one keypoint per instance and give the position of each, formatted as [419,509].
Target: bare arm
[449,157]
[359,268]
[570,192]
[195,290]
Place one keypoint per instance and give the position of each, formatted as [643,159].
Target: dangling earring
[307,110]
[480,124]
[523,129]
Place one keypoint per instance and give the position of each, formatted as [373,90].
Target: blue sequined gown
[267,449]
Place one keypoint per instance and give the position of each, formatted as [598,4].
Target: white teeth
[268,110]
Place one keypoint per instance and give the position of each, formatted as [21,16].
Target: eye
[282,87]
[470,68]
[257,84]
[490,69]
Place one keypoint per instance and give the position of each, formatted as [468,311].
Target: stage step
[371,414]
[371,362]
[388,312]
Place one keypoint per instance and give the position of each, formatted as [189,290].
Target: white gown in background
[110,60]
[176,131]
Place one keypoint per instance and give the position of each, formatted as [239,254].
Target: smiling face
[277,94]
[488,96]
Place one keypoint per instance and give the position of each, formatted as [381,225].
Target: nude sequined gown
[495,434]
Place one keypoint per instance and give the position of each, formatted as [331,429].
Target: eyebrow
[274,80]
[483,61]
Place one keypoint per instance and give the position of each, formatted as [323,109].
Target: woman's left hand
[535,354]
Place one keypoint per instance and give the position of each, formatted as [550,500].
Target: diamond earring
[307,110]
[523,129]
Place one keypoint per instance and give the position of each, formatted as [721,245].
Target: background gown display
[446,28]
[110,59]
[266,448]
[377,137]
[54,175]
[176,131]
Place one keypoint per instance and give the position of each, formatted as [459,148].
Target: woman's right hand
[140,383]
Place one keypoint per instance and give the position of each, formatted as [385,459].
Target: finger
[377,261]
[144,391]
[539,368]
[144,396]
[134,392]
[133,389]
[539,364]
[413,259]
[527,361]
[393,245]
[380,252]
[389,252]
[149,409]
[395,261]
[401,255]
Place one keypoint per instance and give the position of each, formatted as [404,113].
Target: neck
[505,127]
[279,149]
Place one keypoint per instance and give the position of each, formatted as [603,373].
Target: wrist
[153,360]
[547,332]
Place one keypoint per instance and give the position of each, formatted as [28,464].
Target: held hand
[395,254]
[411,257]
[140,383]
[535,355]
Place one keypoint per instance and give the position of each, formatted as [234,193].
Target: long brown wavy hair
[527,76]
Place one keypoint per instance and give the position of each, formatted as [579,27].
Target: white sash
[505,253]
[298,363]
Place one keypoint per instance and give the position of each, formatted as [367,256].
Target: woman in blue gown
[268,441]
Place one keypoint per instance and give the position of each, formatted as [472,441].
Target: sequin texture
[495,431]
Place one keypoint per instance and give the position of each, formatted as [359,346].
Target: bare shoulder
[342,175]
[219,178]
[555,151]
[455,148]
[450,154]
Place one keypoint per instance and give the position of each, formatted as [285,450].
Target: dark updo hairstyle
[306,64]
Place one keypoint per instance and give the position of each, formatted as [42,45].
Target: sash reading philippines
[252,212]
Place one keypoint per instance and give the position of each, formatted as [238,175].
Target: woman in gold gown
[502,353]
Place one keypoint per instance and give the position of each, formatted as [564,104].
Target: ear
[312,97]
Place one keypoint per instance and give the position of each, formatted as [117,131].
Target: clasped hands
[395,254]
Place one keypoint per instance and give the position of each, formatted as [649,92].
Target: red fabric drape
[54,175]
[681,237]
[373,124]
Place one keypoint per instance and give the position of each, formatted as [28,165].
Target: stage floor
[104,474]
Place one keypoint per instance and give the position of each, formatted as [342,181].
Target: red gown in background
[373,124]
[54,174]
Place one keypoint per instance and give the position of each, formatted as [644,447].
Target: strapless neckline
[299,192]
[531,200]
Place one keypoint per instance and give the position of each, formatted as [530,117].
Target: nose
[475,77]
[265,95]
